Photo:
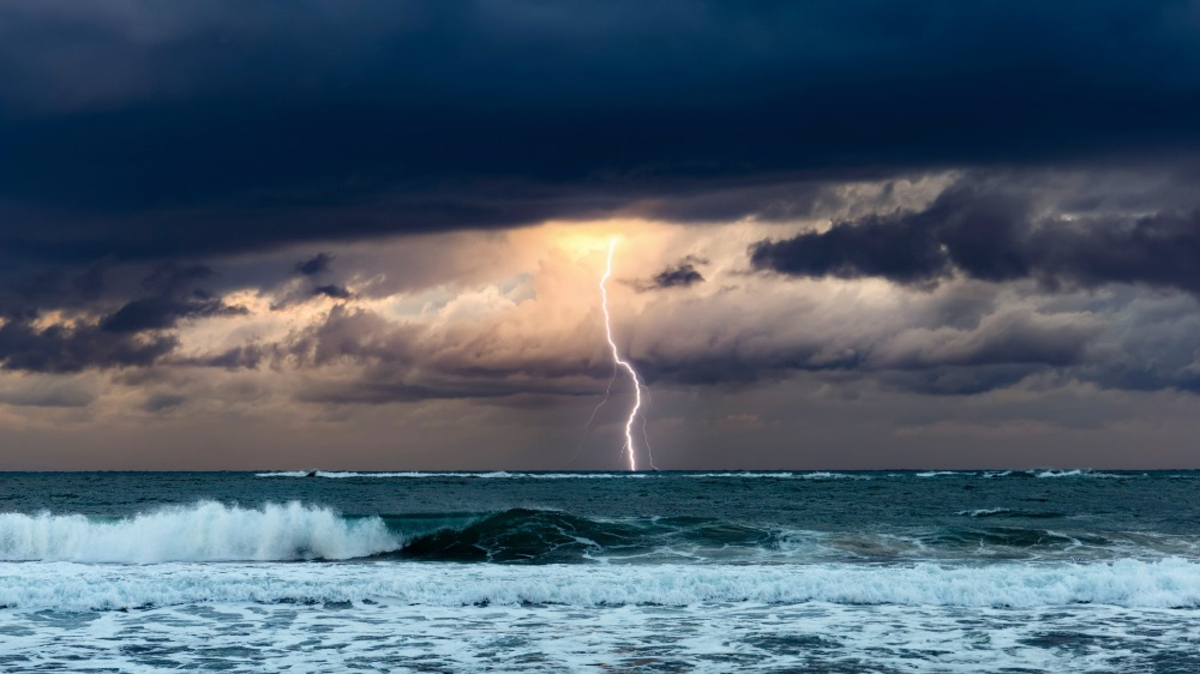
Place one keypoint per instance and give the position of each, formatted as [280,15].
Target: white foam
[983,512]
[1126,583]
[205,531]
[1080,472]
[709,639]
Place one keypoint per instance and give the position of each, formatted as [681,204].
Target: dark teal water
[885,571]
[873,516]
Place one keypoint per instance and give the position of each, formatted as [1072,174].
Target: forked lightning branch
[628,448]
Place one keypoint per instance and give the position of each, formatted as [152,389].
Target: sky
[370,235]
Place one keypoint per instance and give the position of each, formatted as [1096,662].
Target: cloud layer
[997,237]
[132,130]
[946,214]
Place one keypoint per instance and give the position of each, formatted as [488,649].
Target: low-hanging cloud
[680,275]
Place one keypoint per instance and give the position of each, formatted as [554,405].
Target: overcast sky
[370,235]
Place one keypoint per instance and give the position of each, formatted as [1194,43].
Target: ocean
[889,571]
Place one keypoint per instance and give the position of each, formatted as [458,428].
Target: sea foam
[1171,583]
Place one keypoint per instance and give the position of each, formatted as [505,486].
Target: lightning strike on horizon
[637,383]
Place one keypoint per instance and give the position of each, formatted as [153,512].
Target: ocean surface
[987,571]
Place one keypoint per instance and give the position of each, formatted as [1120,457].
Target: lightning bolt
[628,447]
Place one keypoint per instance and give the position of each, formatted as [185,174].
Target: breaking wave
[205,531]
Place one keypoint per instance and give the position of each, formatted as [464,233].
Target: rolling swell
[550,536]
[524,536]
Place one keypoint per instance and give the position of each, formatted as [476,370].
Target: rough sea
[986,571]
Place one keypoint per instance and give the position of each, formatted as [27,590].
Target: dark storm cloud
[996,237]
[906,252]
[132,334]
[319,263]
[178,298]
[136,130]
[333,291]
[977,232]
[149,136]
[160,313]
[57,348]
[681,275]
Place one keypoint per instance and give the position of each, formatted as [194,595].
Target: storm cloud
[134,131]
[159,313]
[215,211]
[681,275]
[136,333]
[318,264]
[996,237]
[56,348]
